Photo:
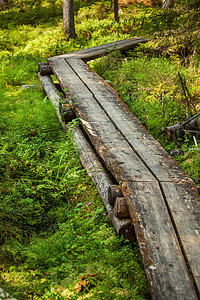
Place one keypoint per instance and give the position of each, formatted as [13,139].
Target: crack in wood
[162,201]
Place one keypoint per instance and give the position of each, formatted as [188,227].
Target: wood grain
[101,50]
[114,191]
[163,260]
[121,209]
[148,149]
[162,200]
[181,197]
[90,162]
[108,142]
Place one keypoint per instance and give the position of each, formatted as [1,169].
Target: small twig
[186,92]
[163,102]
[191,131]
[195,141]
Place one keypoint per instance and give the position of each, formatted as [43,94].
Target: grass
[54,229]
[56,240]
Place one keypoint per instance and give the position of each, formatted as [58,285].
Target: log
[5,295]
[147,203]
[90,162]
[101,50]
[114,191]
[102,182]
[30,86]
[63,110]
[121,209]
[52,93]
[44,69]
[192,126]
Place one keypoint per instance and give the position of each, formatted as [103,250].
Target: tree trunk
[68,19]
[116,10]
[168,3]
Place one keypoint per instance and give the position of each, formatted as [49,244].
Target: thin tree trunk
[116,10]
[68,19]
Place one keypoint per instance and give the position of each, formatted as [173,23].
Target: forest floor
[56,241]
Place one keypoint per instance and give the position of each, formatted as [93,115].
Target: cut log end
[114,191]
[121,209]
[44,69]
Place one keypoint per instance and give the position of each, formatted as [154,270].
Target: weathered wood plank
[114,191]
[154,156]
[108,142]
[101,50]
[121,209]
[155,231]
[182,199]
[157,159]
[163,260]
[90,162]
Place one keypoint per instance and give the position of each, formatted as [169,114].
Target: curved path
[163,202]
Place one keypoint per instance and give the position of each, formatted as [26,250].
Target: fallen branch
[191,125]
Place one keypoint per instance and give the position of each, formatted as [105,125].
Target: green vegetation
[56,241]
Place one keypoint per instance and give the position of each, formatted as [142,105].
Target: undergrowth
[56,241]
[54,230]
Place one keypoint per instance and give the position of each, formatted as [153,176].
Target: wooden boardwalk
[163,202]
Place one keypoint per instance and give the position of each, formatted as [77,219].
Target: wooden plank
[101,50]
[163,260]
[149,150]
[182,197]
[165,169]
[90,162]
[122,162]
[158,242]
